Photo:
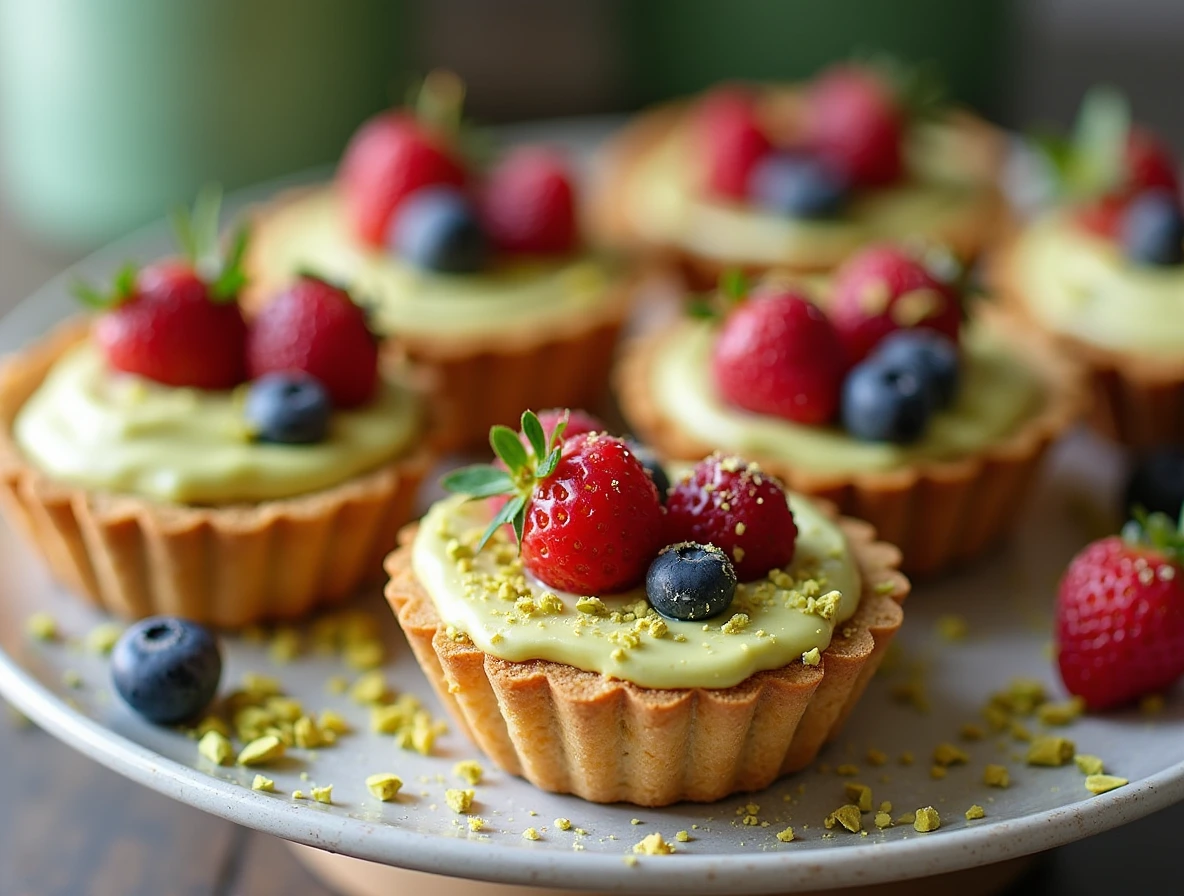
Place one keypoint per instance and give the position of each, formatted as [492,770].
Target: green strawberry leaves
[1156,531]
[733,289]
[123,288]
[1089,162]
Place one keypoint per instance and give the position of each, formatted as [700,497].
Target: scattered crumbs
[1061,713]
[323,794]
[736,624]
[476,823]
[629,860]
[1020,732]
[785,836]
[653,845]
[459,801]
[216,747]
[859,794]
[938,772]
[1151,705]
[71,679]
[885,807]
[1104,783]
[384,786]
[469,771]
[971,731]
[1051,751]
[364,655]
[337,684]
[847,816]
[635,821]
[331,721]
[101,639]
[682,837]
[877,757]
[262,784]
[285,646]
[1089,764]
[41,627]
[847,770]
[530,834]
[307,733]
[883,820]
[952,628]
[563,824]
[912,694]
[812,657]
[946,754]
[297,794]
[593,606]
[261,750]
[370,688]
[906,758]
[996,776]
[926,820]
[906,818]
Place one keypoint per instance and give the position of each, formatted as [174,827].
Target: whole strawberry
[856,125]
[778,354]
[529,205]
[1148,164]
[730,139]
[883,289]
[733,505]
[585,511]
[316,328]
[1120,615]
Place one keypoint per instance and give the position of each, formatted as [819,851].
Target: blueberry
[886,402]
[1157,483]
[1153,229]
[166,669]
[691,581]
[653,466]
[932,354]
[798,186]
[436,228]
[291,408]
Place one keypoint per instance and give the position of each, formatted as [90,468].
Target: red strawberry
[731,504]
[1148,165]
[529,204]
[1103,216]
[732,141]
[1120,616]
[779,354]
[315,327]
[857,125]
[391,156]
[883,289]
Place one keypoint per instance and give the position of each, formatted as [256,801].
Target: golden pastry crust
[227,566]
[607,740]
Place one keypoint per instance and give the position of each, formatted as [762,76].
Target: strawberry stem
[1157,531]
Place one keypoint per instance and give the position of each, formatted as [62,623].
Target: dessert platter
[679,664]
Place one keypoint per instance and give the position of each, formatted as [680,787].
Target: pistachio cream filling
[488,598]
[309,234]
[996,395]
[1081,285]
[120,433]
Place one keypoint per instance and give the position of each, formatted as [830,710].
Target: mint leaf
[533,430]
[505,444]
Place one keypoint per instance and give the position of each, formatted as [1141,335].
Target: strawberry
[883,289]
[733,505]
[732,141]
[1147,165]
[857,125]
[585,511]
[529,205]
[389,157]
[1120,615]
[316,328]
[778,354]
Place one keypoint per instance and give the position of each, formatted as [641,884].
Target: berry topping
[883,289]
[1149,163]
[289,408]
[887,400]
[529,205]
[653,466]
[1156,484]
[1153,230]
[797,186]
[691,581]
[732,141]
[585,511]
[932,355]
[437,229]
[857,125]
[1120,615]
[314,327]
[778,354]
[166,669]
[738,508]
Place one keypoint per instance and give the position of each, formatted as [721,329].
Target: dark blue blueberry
[653,466]
[798,186]
[933,355]
[1153,229]
[166,669]
[436,228]
[691,581]
[291,408]
[885,402]
[1156,483]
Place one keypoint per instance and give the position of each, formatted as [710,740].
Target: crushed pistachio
[71,679]
[906,818]
[847,816]
[938,772]
[285,646]
[926,820]
[592,606]
[1061,713]
[1089,764]
[847,770]
[370,688]
[1051,751]
[952,628]
[975,812]
[530,834]
[885,806]
[265,785]
[261,750]
[384,786]
[877,757]
[41,627]
[653,845]
[971,731]
[996,776]
[812,657]
[331,721]
[682,836]
[476,823]
[469,771]
[459,800]
[906,758]
[260,687]
[323,794]
[102,638]
[364,655]
[859,794]
[946,754]
[337,684]
[1104,783]
[1020,732]
[785,836]
[215,747]
[736,624]
[298,794]
[883,820]
[307,733]
[563,824]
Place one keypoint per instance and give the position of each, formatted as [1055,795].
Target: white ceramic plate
[1004,599]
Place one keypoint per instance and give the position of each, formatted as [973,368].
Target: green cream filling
[309,234]
[124,434]
[1080,285]
[996,395]
[508,614]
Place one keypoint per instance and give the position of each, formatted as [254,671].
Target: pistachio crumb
[331,721]
[848,816]
[216,747]
[261,750]
[336,684]
[906,758]
[1051,751]
[971,731]
[847,770]
[926,820]
[938,772]
[946,754]
[263,784]
[370,688]
[975,812]
[682,836]
[1089,764]
[785,836]
[469,771]
[653,845]
[101,639]
[883,820]
[563,824]
[952,628]
[877,757]
[459,800]
[593,606]
[384,786]
[906,818]
[476,823]
[530,834]
[298,794]
[812,657]
[1061,713]
[859,794]
[736,624]
[996,776]
[41,627]
[1104,783]
[71,679]
[323,794]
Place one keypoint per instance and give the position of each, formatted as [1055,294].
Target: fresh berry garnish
[166,669]
[584,510]
[857,125]
[314,327]
[1120,615]
[887,401]
[797,186]
[1156,484]
[1153,230]
[437,229]
[528,204]
[883,289]
[1103,216]
[730,139]
[290,408]
[691,581]
[1149,163]
[735,506]
[653,466]
[932,355]
[778,354]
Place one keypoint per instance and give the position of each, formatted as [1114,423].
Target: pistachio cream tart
[164,459]
[796,178]
[476,274]
[630,650]
[886,402]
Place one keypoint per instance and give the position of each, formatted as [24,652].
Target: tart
[796,178]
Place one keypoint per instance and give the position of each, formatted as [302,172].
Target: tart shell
[570,731]
[226,566]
